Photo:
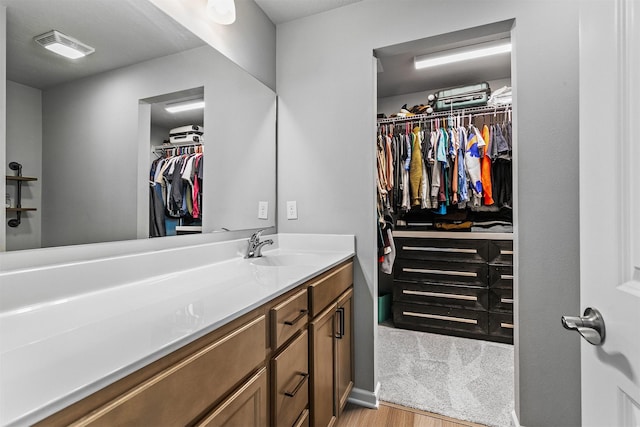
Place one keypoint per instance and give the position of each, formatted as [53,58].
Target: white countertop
[55,352]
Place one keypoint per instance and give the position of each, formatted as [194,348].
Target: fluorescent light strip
[185,106]
[66,51]
[428,61]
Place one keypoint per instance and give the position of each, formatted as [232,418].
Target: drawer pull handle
[302,314]
[506,325]
[505,252]
[340,312]
[506,276]
[438,317]
[506,300]
[440,295]
[445,272]
[448,250]
[299,386]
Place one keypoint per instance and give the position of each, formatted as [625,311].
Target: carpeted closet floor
[461,378]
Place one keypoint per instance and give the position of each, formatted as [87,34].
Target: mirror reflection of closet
[176,143]
[73,123]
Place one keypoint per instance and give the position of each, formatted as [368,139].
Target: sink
[289,259]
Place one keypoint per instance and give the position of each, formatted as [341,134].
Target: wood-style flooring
[392,415]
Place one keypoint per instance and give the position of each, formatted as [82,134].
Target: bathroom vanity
[262,341]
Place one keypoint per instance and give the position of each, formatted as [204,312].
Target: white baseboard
[365,398]
[514,419]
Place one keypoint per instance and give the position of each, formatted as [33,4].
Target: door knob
[590,325]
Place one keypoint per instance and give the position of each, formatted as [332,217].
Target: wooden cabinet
[246,407]
[323,354]
[344,349]
[181,394]
[331,345]
[454,286]
[258,370]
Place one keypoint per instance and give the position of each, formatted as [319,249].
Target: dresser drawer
[442,319]
[442,249]
[443,295]
[501,300]
[290,373]
[288,317]
[501,252]
[328,287]
[501,325]
[176,396]
[501,276]
[454,273]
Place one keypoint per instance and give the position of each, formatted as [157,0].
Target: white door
[610,208]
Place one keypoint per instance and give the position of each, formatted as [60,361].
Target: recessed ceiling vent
[63,45]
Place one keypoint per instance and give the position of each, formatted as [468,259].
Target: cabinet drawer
[288,317]
[443,295]
[290,373]
[440,319]
[501,252]
[501,276]
[501,325]
[324,290]
[247,406]
[501,300]
[181,393]
[442,249]
[454,273]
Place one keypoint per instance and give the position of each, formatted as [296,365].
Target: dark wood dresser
[454,284]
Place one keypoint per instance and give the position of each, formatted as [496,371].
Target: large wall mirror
[88,128]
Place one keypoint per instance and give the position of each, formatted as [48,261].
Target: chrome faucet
[254,250]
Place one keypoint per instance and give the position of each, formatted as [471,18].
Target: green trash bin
[384,307]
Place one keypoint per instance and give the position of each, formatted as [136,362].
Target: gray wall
[3,119]
[250,42]
[326,162]
[92,174]
[24,145]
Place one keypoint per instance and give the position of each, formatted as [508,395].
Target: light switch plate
[292,210]
[263,210]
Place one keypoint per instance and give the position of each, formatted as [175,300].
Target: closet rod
[475,111]
[172,146]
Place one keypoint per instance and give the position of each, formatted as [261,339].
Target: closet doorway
[171,139]
[445,190]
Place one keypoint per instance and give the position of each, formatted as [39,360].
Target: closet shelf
[21,178]
[21,209]
[171,146]
[459,112]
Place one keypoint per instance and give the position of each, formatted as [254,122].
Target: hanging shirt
[462,175]
[485,168]
[472,161]
[415,168]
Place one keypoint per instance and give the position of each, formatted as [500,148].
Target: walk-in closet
[444,145]
[176,163]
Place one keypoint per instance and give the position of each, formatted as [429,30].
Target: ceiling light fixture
[63,45]
[192,104]
[222,11]
[462,54]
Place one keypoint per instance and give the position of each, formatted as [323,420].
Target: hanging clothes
[176,181]
[444,165]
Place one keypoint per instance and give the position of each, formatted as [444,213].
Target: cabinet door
[344,349]
[246,407]
[322,338]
